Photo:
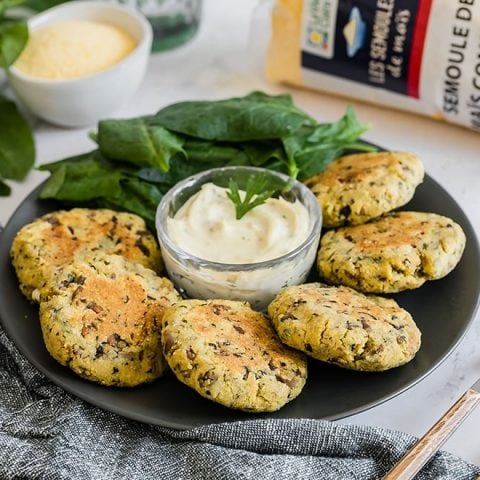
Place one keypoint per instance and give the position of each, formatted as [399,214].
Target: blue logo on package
[354,32]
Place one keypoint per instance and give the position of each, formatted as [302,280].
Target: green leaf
[5,190]
[347,129]
[90,179]
[257,116]
[93,136]
[82,178]
[53,185]
[137,197]
[178,171]
[40,5]
[6,4]
[17,149]
[256,194]
[13,38]
[218,153]
[259,153]
[263,97]
[140,159]
[311,149]
[137,142]
[203,155]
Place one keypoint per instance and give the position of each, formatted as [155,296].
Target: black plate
[442,309]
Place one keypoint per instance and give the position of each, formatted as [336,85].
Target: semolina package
[417,55]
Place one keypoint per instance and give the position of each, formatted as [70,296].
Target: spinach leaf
[257,116]
[284,98]
[17,150]
[5,190]
[5,4]
[82,178]
[311,149]
[140,159]
[259,153]
[203,155]
[137,142]
[90,179]
[37,5]
[141,198]
[218,153]
[347,129]
[13,38]
[40,5]
[179,170]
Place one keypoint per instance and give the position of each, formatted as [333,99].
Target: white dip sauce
[206,227]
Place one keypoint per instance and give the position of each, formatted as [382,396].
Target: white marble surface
[218,64]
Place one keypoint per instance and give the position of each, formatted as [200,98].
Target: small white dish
[83,101]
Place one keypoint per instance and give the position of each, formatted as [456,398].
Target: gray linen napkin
[46,433]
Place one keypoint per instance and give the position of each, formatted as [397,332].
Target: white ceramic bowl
[83,101]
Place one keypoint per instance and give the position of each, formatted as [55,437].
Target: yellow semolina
[73,49]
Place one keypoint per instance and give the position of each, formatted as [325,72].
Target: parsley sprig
[256,193]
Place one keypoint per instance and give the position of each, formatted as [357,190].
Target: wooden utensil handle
[426,447]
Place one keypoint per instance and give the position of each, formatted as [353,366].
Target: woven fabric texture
[46,433]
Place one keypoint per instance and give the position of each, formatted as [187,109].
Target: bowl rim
[165,240]
[144,42]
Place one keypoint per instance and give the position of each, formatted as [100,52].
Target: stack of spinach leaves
[17,152]
[17,149]
[139,159]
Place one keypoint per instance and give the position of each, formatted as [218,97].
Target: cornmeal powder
[73,49]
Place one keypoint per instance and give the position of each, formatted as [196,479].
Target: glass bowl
[256,283]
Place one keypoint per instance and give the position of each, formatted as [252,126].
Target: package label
[375,42]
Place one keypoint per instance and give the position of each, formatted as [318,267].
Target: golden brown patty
[356,188]
[103,320]
[341,326]
[393,253]
[230,354]
[57,238]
